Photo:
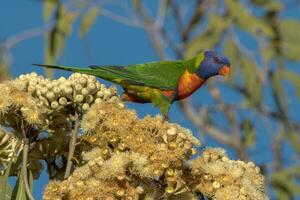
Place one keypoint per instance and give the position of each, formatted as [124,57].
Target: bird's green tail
[72,69]
[107,72]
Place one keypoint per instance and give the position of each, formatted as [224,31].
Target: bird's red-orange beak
[224,70]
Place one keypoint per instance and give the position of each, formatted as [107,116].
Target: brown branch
[152,31]
[72,145]
[277,147]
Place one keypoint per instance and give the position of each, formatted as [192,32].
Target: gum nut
[67,83]
[85,106]
[68,90]
[78,87]
[250,165]
[85,91]
[82,81]
[98,100]
[89,99]
[38,92]
[79,98]
[31,89]
[33,82]
[91,86]
[107,93]
[44,90]
[77,75]
[50,96]
[216,185]
[22,76]
[54,104]
[121,105]
[62,79]
[171,131]
[92,79]
[100,93]
[120,193]
[49,86]
[225,159]
[55,82]
[169,190]
[257,170]
[33,74]
[56,90]
[63,101]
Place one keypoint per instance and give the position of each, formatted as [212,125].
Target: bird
[160,83]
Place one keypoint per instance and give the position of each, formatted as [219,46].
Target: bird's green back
[162,75]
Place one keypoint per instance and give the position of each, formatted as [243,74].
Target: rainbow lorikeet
[162,82]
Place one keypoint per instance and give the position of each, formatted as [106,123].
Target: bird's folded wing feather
[163,75]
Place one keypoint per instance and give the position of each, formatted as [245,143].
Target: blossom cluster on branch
[117,155]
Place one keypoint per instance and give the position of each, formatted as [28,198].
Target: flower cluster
[32,104]
[221,178]
[118,155]
[148,159]
[16,104]
[9,148]
[79,90]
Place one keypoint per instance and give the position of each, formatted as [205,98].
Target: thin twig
[24,169]
[72,145]
[27,34]
[24,161]
[153,32]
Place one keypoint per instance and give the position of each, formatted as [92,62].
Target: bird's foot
[166,118]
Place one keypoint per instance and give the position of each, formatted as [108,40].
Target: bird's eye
[217,60]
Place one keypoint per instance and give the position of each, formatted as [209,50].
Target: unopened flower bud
[50,96]
[84,91]
[54,104]
[78,98]
[82,81]
[85,106]
[63,101]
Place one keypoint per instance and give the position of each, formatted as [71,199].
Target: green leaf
[286,183]
[5,189]
[293,77]
[294,138]
[210,37]
[55,39]
[290,39]
[232,52]
[49,8]
[249,135]
[19,189]
[246,21]
[252,82]
[88,20]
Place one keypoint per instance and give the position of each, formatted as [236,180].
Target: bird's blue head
[213,64]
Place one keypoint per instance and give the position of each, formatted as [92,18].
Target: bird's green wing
[162,75]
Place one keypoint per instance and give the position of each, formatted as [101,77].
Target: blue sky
[108,42]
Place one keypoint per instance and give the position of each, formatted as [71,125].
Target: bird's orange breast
[188,83]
